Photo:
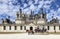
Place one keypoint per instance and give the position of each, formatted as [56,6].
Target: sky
[11,7]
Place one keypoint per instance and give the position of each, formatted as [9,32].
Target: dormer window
[17,15]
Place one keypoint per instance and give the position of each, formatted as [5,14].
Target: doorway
[31,28]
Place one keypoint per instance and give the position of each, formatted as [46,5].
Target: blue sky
[11,7]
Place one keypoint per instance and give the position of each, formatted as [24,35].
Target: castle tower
[19,14]
[31,15]
[42,15]
[20,17]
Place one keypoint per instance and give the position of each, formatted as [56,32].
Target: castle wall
[57,29]
[12,29]
[51,28]
[18,22]
[1,29]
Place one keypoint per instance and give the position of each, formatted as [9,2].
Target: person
[32,32]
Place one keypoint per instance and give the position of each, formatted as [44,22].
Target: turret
[43,15]
[19,14]
[20,17]
[31,15]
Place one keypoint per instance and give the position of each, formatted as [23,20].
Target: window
[20,27]
[24,27]
[43,16]
[4,27]
[54,27]
[15,27]
[48,27]
[9,27]
[59,27]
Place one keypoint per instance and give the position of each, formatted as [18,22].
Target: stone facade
[25,22]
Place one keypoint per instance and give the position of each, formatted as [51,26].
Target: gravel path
[26,36]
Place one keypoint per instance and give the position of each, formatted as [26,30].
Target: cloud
[32,7]
[10,7]
[7,7]
[55,12]
[30,2]
[25,5]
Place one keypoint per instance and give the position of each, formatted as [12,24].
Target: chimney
[20,12]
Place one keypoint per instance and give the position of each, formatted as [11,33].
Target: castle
[25,22]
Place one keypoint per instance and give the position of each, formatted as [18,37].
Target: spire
[20,10]
[8,17]
[41,10]
[53,16]
[31,12]
[31,15]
